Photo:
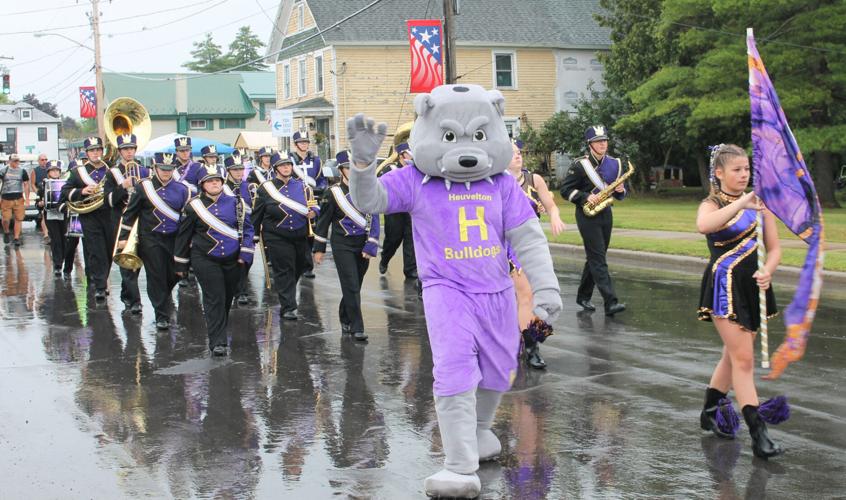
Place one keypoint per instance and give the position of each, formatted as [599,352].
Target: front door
[324,149]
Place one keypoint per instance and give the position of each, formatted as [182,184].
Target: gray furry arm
[368,194]
[532,249]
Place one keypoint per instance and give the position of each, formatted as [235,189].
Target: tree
[244,49]
[208,57]
[4,99]
[45,106]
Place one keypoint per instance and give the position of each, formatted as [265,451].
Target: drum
[74,226]
[53,192]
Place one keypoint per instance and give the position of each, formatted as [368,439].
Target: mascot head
[459,133]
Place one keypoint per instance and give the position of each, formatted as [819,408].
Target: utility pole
[449,39]
[98,69]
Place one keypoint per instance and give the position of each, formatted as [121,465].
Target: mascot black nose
[467,161]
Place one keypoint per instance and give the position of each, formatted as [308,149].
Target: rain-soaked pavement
[95,404]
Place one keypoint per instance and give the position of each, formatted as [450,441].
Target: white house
[25,129]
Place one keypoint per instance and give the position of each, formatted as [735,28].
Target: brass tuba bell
[128,258]
[400,136]
[124,116]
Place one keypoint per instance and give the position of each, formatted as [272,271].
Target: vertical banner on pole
[427,69]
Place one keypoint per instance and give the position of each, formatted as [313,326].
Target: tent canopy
[164,144]
[254,141]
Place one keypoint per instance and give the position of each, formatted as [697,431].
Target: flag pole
[762,294]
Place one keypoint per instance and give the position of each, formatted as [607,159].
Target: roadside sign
[281,123]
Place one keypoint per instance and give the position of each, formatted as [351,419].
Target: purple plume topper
[728,421]
[774,410]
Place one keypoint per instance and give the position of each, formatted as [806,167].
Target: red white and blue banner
[427,69]
[784,184]
[87,102]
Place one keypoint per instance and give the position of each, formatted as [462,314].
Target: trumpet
[605,198]
[128,257]
[133,171]
[310,202]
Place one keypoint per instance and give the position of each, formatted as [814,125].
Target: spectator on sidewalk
[40,173]
[14,196]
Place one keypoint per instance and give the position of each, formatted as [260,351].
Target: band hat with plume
[164,161]
[211,172]
[92,143]
[210,150]
[127,141]
[182,143]
[233,162]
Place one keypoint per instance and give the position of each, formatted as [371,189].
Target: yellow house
[336,58]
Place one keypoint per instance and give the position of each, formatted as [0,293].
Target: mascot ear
[422,104]
[497,100]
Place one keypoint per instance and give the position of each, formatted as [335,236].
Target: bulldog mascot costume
[465,212]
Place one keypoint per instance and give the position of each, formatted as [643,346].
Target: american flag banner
[427,70]
[87,102]
[784,184]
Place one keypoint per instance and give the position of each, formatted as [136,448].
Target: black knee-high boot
[708,419]
[762,445]
[533,357]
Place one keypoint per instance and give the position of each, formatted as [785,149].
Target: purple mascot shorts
[474,339]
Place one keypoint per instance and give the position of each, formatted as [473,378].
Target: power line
[46,9]
[275,27]
[174,21]
[52,54]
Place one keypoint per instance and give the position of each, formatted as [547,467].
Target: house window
[505,74]
[512,126]
[198,124]
[42,134]
[232,123]
[300,16]
[318,74]
[26,114]
[286,81]
[301,76]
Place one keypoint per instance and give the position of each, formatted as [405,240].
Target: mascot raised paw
[464,212]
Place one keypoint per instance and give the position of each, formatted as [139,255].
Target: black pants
[218,281]
[62,248]
[309,260]
[243,284]
[596,235]
[351,268]
[156,250]
[287,256]
[129,292]
[398,231]
[98,232]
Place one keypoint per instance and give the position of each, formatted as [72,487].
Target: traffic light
[7,88]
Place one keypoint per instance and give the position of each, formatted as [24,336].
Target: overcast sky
[146,36]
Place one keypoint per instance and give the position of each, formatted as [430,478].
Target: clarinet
[239,211]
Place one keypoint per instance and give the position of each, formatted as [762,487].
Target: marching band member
[237,186]
[187,170]
[216,237]
[355,240]
[283,211]
[586,177]
[97,230]
[211,158]
[55,218]
[120,182]
[730,298]
[263,170]
[156,206]
[307,168]
[398,226]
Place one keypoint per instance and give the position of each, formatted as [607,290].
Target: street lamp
[42,34]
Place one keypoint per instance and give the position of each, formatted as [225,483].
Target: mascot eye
[479,135]
[449,136]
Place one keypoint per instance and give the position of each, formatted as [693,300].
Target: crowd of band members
[209,218]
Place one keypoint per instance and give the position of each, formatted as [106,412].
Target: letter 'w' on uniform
[784,184]
[479,221]
[427,70]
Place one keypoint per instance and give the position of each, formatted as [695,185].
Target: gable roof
[9,114]
[528,23]
[226,94]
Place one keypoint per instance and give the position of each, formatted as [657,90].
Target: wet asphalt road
[95,404]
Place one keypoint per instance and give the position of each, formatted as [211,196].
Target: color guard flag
[87,102]
[784,184]
[427,70]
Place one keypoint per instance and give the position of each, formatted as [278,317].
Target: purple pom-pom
[728,421]
[537,331]
[774,410]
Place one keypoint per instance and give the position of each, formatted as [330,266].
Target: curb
[786,276]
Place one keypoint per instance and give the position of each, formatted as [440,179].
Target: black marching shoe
[243,300]
[411,276]
[346,328]
[135,308]
[308,274]
[616,308]
[360,336]
[762,445]
[100,295]
[6,238]
[66,276]
[383,267]
[57,272]
[717,401]
[183,282]
[17,243]
[162,324]
[586,304]
[290,315]
[219,350]
[533,357]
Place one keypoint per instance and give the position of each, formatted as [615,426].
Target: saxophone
[605,198]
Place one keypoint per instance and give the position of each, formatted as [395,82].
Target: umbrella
[164,144]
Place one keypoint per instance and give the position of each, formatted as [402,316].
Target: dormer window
[26,114]
[300,16]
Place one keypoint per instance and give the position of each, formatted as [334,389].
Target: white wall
[27,138]
[575,70]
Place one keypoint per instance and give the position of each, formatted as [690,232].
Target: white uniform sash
[284,200]
[85,176]
[260,176]
[228,190]
[118,175]
[593,174]
[348,208]
[212,221]
[158,202]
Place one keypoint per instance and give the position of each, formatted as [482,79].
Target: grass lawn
[679,215]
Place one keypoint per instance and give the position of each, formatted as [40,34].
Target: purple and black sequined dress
[729,289]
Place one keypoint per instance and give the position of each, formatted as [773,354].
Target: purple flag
[784,184]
